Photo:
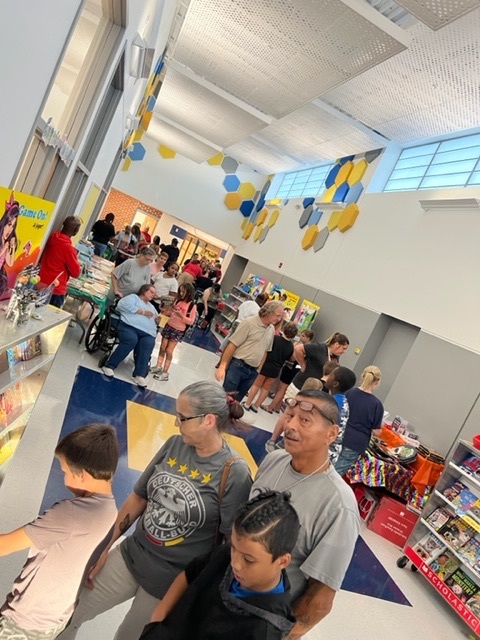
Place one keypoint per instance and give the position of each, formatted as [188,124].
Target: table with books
[445,543]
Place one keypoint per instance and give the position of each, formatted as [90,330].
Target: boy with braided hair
[241,585]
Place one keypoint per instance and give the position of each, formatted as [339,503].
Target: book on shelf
[460,496]
[439,518]
[470,552]
[444,564]
[471,465]
[474,604]
[454,490]
[24,351]
[429,547]
[456,533]
[462,585]
[475,509]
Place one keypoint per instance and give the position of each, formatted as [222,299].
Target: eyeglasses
[307,406]
[182,419]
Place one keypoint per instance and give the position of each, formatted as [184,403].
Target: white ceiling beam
[381,139]
[173,64]
[174,124]
[274,147]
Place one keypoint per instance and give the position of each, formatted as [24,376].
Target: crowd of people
[212,548]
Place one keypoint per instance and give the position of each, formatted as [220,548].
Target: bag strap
[221,491]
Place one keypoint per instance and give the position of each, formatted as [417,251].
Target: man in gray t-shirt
[325,505]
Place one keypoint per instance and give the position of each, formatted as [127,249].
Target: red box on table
[393,521]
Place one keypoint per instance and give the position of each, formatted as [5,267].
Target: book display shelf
[27,352]
[444,546]
[226,316]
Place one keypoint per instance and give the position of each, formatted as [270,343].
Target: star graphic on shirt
[194,473]
[172,462]
[183,468]
[206,478]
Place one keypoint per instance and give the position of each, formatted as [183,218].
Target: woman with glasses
[129,276]
[136,330]
[176,503]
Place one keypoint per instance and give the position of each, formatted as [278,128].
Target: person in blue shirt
[241,586]
[137,330]
[338,382]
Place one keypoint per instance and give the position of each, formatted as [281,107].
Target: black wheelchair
[102,333]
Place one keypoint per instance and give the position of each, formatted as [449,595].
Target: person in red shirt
[191,271]
[146,235]
[59,260]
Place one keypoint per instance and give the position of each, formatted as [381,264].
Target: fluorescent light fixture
[330,205]
[450,203]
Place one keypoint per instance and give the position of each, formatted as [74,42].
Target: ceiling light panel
[179,141]
[200,110]
[438,13]
[262,158]
[276,55]
[429,90]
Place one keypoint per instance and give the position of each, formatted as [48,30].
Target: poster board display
[306,314]
[23,224]
[290,299]
[253,285]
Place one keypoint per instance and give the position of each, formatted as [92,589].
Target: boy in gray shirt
[62,540]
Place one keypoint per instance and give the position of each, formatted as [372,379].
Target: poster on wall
[253,285]
[305,315]
[23,223]
[290,300]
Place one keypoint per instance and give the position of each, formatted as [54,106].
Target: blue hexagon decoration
[231,183]
[254,216]
[342,161]
[305,216]
[315,217]
[261,202]
[330,179]
[321,239]
[151,103]
[229,165]
[341,192]
[247,207]
[308,201]
[355,192]
[138,152]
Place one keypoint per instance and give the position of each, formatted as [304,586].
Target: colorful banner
[22,229]
[253,285]
[290,300]
[306,314]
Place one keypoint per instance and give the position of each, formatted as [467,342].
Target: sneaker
[156,370]
[163,377]
[108,372]
[270,446]
[140,381]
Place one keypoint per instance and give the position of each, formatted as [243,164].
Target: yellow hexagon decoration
[358,172]
[126,164]
[275,201]
[145,121]
[257,233]
[243,226]
[233,201]
[273,218]
[262,216]
[248,231]
[166,152]
[246,190]
[310,236]
[345,171]
[333,220]
[216,159]
[329,193]
[348,217]
[138,134]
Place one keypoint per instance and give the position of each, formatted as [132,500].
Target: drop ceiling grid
[179,141]
[269,53]
[441,69]
[200,110]
[260,157]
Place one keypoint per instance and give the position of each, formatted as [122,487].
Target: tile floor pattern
[377,599]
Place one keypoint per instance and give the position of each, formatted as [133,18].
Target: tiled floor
[377,599]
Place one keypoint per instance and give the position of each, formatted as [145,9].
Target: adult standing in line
[172,250]
[60,260]
[129,276]
[325,504]
[102,232]
[247,309]
[312,356]
[191,271]
[176,503]
[247,348]
[365,417]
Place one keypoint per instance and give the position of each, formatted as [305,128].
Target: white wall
[186,190]
[31,43]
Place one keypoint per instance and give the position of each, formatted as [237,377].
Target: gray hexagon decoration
[229,164]
[264,233]
[321,239]
[266,187]
[305,216]
[370,156]
[255,197]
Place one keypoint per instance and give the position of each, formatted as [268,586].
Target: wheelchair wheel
[97,333]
